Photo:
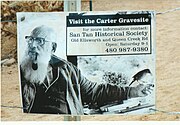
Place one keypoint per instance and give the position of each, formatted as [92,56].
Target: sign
[109,34]
[87,62]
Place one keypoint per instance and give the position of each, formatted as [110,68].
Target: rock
[10,72]
[9,62]
[3,61]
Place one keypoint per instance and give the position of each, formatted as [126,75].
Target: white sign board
[109,34]
[87,62]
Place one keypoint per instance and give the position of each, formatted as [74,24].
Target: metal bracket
[72,5]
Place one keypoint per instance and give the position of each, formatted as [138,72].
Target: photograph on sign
[87,63]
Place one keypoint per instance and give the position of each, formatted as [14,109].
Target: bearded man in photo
[52,85]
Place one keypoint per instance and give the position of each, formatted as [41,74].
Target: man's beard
[38,74]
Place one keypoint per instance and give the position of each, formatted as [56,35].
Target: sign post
[73,5]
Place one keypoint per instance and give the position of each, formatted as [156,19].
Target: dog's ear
[54,46]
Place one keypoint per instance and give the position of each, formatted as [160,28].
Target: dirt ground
[167,66]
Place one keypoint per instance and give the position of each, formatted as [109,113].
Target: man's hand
[140,90]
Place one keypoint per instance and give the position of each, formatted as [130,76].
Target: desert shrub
[8,21]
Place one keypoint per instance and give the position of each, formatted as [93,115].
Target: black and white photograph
[125,72]
[86,66]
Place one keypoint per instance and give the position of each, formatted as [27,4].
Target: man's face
[38,46]
[38,54]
